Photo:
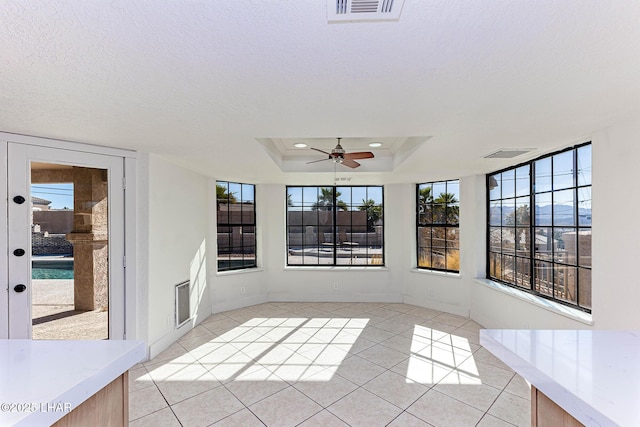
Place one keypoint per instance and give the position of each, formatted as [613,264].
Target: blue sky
[61,195]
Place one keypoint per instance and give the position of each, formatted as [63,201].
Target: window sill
[241,271]
[333,268]
[436,273]
[544,303]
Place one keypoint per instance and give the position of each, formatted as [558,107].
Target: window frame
[433,224]
[245,265]
[334,226]
[534,258]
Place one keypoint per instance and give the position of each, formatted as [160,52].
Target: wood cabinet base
[108,407]
[546,413]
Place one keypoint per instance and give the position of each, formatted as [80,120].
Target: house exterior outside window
[236,225]
[335,226]
[545,250]
[438,228]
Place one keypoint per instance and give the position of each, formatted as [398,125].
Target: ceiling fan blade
[359,155]
[317,149]
[350,163]
[316,161]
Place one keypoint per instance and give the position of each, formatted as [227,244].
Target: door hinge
[124,262]
[124,183]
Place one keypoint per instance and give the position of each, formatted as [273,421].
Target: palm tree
[373,210]
[445,209]
[222,196]
[325,200]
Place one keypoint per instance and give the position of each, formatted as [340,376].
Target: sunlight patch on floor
[440,357]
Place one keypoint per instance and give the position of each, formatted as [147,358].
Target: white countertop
[37,375]
[593,375]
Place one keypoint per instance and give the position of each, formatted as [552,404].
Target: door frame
[131,326]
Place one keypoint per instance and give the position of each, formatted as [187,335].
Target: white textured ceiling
[203,81]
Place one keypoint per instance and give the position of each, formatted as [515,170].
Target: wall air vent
[183,308]
[363,10]
[508,153]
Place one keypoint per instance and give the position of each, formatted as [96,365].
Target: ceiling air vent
[508,153]
[364,10]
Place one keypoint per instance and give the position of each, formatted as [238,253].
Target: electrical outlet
[431,293]
[242,290]
[335,286]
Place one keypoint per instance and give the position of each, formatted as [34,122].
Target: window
[438,210]
[236,215]
[335,226]
[547,250]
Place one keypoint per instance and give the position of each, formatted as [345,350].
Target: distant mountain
[563,214]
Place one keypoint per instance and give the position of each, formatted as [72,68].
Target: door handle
[20,288]
[19,200]
[19,252]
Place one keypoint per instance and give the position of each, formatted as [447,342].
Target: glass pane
[69,287]
[343,198]
[439,213]
[248,195]
[453,238]
[495,212]
[248,215]
[584,247]
[564,207]
[523,241]
[563,170]
[584,206]
[508,184]
[584,282]
[566,245]
[359,195]
[309,218]
[523,272]
[508,269]
[495,239]
[544,243]
[495,186]
[438,258]
[544,209]
[543,280]
[424,237]
[522,212]
[425,193]
[508,209]
[424,257]
[453,213]
[438,237]
[495,267]
[453,259]
[584,165]
[522,181]
[294,196]
[508,240]
[439,189]
[565,283]
[426,214]
[542,175]
[375,194]
[235,192]
[453,188]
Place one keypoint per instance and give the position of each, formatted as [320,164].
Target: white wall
[178,230]
[616,226]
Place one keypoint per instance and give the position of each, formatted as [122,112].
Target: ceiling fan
[338,155]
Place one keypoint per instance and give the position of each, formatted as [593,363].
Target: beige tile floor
[328,364]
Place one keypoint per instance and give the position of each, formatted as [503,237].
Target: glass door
[66,217]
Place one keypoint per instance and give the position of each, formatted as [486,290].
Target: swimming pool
[56,269]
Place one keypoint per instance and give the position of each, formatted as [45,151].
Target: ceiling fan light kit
[339,155]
